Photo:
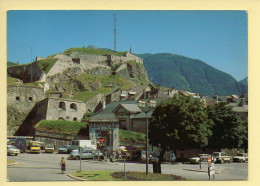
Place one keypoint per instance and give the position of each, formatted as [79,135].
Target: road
[45,167]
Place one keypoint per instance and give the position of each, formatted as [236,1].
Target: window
[62,105]
[30,98]
[75,119]
[73,106]
[67,118]
[17,98]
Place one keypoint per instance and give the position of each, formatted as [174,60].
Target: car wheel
[77,158]
[221,161]
[16,154]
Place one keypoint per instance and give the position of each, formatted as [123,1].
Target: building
[51,109]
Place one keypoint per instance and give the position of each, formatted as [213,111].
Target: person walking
[63,165]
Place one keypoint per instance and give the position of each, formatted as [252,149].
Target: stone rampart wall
[55,112]
[60,66]
[127,57]
[51,138]
[24,98]
[92,104]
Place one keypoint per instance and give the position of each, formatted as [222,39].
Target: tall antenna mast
[31,63]
[114,32]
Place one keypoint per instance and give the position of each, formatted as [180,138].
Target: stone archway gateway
[107,130]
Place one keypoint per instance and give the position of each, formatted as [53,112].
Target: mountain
[181,72]
[244,81]
[9,63]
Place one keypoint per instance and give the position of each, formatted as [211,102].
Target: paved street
[45,167]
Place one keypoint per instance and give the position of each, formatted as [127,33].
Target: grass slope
[60,126]
[131,136]
[104,80]
[92,51]
[46,64]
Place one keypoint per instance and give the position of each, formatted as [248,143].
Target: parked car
[86,154]
[49,148]
[12,150]
[221,157]
[241,157]
[65,149]
[199,158]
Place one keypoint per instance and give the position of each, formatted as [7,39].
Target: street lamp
[147,107]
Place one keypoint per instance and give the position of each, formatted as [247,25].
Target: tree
[180,122]
[229,131]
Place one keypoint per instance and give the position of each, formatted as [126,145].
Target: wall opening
[75,119]
[73,106]
[60,118]
[17,98]
[30,98]
[62,105]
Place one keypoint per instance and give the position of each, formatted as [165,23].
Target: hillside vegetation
[86,86]
[46,64]
[60,126]
[190,74]
[244,81]
[93,51]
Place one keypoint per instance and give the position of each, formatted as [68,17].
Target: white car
[221,157]
[12,150]
[199,158]
[49,148]
[241,157]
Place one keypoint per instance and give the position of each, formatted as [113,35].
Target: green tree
[180,122]
[229,131]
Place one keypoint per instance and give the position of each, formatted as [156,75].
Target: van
[75,144]
[20,143]
[35,147]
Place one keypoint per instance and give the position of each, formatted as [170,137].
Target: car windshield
[49,146]
[215,154]
[12,147]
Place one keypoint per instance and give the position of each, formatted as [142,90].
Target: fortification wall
[51,138]
[70,110]
[24,98]
[60,66]
[127,57]
[92,104]
[89,58]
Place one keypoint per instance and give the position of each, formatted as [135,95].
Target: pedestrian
[150,158]
[143,157]
[63,165]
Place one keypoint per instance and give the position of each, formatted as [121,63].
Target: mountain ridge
[191,74]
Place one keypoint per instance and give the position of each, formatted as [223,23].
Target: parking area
[45,167]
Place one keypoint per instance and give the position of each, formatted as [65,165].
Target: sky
[219,38]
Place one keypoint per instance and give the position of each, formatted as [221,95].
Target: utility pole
[31,63]
[114,32]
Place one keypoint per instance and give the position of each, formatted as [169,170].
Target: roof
[114,90]
[240,109]
[142,115]
[107,112]
[131,107]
